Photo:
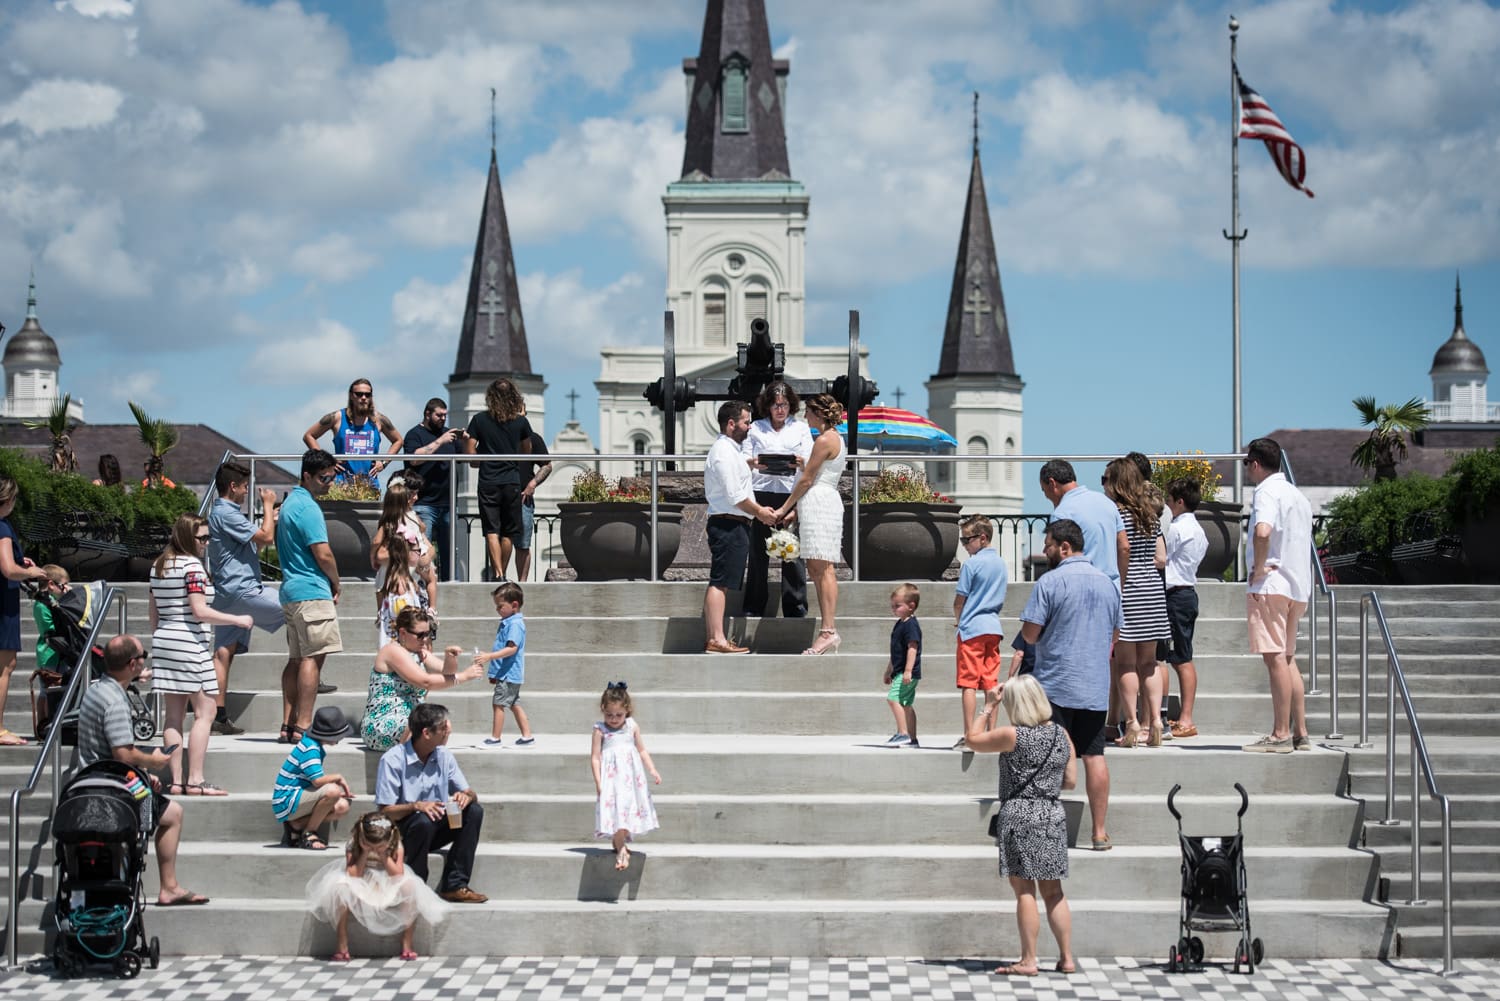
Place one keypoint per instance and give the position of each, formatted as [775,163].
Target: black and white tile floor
[243,978]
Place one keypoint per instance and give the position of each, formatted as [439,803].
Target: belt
[1182,587]
[731,517]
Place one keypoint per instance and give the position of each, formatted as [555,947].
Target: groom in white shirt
[731,508]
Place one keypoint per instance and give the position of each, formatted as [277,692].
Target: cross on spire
[491,307]
[976,304]
[898,394]
[976,122]
[572,404]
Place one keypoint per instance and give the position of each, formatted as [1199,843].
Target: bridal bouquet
[783,544]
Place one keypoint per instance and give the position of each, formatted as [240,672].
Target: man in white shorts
[1278,591]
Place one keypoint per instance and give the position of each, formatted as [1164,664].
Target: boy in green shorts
[904,669]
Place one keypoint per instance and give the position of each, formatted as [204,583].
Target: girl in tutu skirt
[373,884]
[621,764]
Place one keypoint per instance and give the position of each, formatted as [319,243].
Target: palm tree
[158,436]
[57,424]
[1386,444]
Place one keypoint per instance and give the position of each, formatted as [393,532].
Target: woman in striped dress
[1143,599]
[182,652]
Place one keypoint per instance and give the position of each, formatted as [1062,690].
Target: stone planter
[612,540]
[1431,561]
[1365,569]
[1481,545]
[903,541]
[351,528]
[1221,523]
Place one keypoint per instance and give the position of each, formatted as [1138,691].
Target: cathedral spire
[735,127]
[1458,308]
[492,341]
[31,296]
[976,339]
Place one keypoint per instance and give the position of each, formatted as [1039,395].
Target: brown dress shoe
[724,646]
[463,895]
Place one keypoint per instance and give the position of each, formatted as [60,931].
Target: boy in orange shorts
[976,613]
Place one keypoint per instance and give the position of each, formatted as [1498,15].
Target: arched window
[977,473]
[734,109]
[1010,467]
[638,446]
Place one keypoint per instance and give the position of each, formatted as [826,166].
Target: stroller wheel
[143,728]
[1257,951]
[153,952]
[1174,960]
[127,965]
[1195,949]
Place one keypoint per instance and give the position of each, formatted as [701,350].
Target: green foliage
[1381,514]
[900,487]
[157,435]
[1476,483]
[43,489]
[161,505]
[1164,471]
[592,487]
[355,488]
[1386,444]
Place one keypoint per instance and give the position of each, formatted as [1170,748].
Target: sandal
[342,956]
[291,837]
[290,734]
[206,789]
[177,789]
[1015,970]
[409,954]
[8,739]
[311,842]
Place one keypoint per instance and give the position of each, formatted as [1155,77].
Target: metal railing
[1421,763]
[655,461]
[51,754]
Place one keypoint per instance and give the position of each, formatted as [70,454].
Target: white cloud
[334,257]
[55,105]
[426,313]
[143,387]
[89,253]
[570,322]
[326,352]
[98,8]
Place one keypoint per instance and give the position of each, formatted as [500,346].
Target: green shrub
[894,486]
[42,489]
[1475,481]
[1380,515]
[592,487]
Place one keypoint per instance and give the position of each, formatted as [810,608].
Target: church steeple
[492,341]
[735,127]
[976,339]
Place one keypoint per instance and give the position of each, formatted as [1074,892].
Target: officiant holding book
[776,447]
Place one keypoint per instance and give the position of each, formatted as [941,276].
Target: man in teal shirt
[309,592]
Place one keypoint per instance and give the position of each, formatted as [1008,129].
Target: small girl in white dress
[621,763]
[372,883]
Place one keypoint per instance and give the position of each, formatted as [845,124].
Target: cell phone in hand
[170,748]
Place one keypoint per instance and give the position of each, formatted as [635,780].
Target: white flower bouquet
[782,543]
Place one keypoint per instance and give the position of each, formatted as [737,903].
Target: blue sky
[236,208]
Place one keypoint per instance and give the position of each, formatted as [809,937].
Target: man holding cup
[420,787]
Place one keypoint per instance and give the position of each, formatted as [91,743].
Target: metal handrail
[52,747]
[211,492]
[1421,764]
[657,458]
[1320,579]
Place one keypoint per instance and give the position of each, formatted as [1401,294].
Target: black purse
[994,825]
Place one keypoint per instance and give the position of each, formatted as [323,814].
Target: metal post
[655,572]
[1333,665]
[1390,743]
[1447,885]
[854,543]
[452,519]
[1364,673]
[250,496]
[1234,236]
[1312,666]
[1416,825]
[12,932]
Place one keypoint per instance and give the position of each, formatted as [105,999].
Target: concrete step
[1479,833]
[1370,785]
[1420,936]
[585,870]
[1291,928]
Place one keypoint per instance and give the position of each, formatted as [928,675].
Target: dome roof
[31,347]
[1458,353]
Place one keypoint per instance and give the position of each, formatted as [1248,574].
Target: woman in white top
[820,513]
[776,432]
[182,651]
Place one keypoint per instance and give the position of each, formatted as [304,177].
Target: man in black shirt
[501,430]
[434,506]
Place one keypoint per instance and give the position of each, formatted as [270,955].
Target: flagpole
[1234,235]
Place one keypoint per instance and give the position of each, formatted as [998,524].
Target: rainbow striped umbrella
[899,431]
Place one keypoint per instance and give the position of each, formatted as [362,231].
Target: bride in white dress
[820,513]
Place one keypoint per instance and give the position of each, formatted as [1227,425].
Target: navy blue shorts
[729,544]
[1182,615]
[1084,726]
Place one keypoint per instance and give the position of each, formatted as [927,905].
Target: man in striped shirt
[302,815]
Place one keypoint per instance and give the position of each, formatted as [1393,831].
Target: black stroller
[72,616]
[1213,893]
[102,830]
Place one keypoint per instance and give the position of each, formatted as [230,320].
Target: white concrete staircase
[788,828]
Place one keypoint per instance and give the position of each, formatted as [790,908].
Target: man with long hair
[356,431]
[501,430]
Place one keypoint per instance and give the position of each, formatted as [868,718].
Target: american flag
[1258,121]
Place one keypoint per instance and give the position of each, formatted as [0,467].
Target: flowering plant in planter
[1164,471]
[592,487]
[900,486]
[355,488]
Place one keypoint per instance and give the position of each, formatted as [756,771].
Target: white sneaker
[1269,745]
[897,739]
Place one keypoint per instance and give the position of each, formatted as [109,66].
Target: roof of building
[737,36]
[1320,456]
[30,347]
[976,338]
[194,460]
[1458,353]
[492,341]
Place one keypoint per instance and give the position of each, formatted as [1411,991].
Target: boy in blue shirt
[976,614]
[507,663]
[904,669]
[305,796]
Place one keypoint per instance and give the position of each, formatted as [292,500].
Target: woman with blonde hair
[182,649]
[14,568]
[501,430]
[1143,595]
[1037,762]
[820,514]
